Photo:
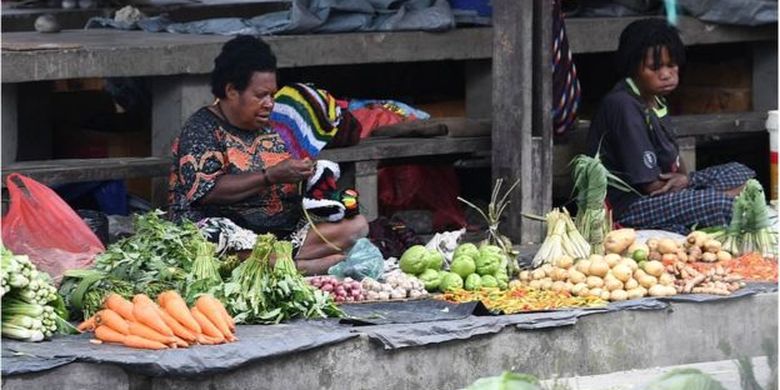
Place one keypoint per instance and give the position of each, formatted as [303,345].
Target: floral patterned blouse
[207,148]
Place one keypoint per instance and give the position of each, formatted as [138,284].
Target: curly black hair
[239,59]
[644,34]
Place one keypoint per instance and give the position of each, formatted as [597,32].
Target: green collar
[661,111]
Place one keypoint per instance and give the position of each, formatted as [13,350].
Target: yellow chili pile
[521,299]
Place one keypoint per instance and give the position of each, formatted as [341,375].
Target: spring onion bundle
[590,183]
[750,229]
[563,239]
[29,301]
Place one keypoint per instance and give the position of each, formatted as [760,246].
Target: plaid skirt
[702,204]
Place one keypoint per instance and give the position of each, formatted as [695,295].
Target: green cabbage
[434,260]
[451,281]
[413,261]
[467,249]
[463,266]
[473,282]
[489,260]
[489,281]
[431,278]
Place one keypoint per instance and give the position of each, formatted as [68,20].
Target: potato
[564,262]
[547,268]
[524,276]
[723,256]
[578,288]
[535,284]
[612,284]
[538,274]
[582,266]
[576,276]
[667,245]
[654,268]
[559,274]
[669,258]
[652,243]
[635,293]
[630,263]
[670,291]
[559,286]
[617,241]
[598,268]
[709,257]
[712,246]
[648,281]
[630,284]
[596,257]
[605,295]
[622,272]
[546,284]
[596,292]
[696,239]
[638,274]
[584,292]
[666,279]
[594,282]
[612,259]
[635,247]
[657,291]
[618,295]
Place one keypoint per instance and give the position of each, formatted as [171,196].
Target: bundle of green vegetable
[563,239]
[32,310]
[750,229]
[259,293]
[160,256]
[590,183]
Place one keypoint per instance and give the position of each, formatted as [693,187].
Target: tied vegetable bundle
[590,183]
[750,229]
[261,293]
[563,239]
[32,310]
[144,324]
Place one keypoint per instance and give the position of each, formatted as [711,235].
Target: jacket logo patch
[649,159]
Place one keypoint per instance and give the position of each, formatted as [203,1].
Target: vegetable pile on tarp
[143,324]
[520,299]
[261,293]
[506,381]
[160,256]
[31,310]
[750,229]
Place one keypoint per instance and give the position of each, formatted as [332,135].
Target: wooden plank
[10,123]
[388,148]
[53,172]
[367,185]
[593,35]
[542,118]
[699,125]
[115,53]
[512,109]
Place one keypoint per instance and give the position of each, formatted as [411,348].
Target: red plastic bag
[41,225]
[428,187]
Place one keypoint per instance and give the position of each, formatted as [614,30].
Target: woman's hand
[672,182]
[290,171]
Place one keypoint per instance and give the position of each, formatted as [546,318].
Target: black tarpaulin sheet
[256,342]
[406,312]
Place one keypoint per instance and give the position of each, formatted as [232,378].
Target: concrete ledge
[602,343]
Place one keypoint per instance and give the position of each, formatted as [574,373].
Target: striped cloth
[566,85]
[306,118]
[702,204]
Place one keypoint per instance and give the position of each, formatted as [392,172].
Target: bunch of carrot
[168,323]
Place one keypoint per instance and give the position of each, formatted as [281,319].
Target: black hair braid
[641,35]
[239,59]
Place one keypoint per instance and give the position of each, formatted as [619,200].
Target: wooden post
[542,115]
[367,185]
[174,99]
[512,110]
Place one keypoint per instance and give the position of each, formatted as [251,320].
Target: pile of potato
[700,247]
[609,277]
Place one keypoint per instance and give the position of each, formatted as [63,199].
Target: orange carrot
[87,325]
[209,329]
[139,329]
[177,308]
[214,314]
[142,299]
[163,297]
[120,305]
[104,333]
[206,340]
[110,318]
[149,315]
[228,319]
[178,329]
[180,343]
[140,342]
